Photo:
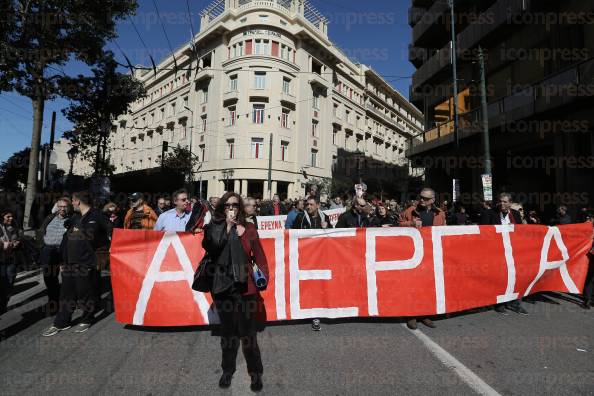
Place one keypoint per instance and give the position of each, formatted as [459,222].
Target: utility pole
[270,169]
[31,191]
[454,56]
[485,111]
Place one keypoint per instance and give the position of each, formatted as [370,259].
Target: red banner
[339,273]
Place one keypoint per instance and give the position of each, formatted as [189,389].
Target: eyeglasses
[183,199]
[231,205]
[426,198]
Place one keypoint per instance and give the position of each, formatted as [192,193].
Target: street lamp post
[72,153]
[454,56]
[190,167]
[227,173]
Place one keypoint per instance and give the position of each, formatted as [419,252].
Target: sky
[374,32]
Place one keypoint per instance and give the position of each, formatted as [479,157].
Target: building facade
[539,66]
[60,160]
[262,79]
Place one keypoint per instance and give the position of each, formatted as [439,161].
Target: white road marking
[467,375]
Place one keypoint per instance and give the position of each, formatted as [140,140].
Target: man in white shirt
[176,219]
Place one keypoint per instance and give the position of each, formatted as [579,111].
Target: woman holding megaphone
[239,271]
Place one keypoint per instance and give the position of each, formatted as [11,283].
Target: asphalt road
[549,352]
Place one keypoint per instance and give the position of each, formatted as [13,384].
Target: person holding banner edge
[504,214]
[311,218]
[232,243]
[424,214]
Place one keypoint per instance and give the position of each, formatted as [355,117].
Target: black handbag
[203,275]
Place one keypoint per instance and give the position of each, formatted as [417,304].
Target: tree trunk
[31,191]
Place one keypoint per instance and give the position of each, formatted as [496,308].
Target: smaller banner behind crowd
[336,273]
[268,223]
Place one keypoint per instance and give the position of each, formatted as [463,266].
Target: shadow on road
[39,312]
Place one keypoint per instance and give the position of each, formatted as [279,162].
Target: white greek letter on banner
[297,275]
[545,265]
[372,266]
[509,295]
[154,275]
[436,234]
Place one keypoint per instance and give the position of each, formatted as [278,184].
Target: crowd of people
[74,239]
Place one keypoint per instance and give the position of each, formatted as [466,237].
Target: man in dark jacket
[88,235]
[356,217]
[312,217]
[275,208]
[50,236]
[504,214]
[561,217]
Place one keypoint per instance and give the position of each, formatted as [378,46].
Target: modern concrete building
[540,76]
[262,78]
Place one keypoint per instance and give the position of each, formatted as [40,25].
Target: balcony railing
[434,65]
[470,37]
[288,7]
[500,14]
[431,17]
[538,98]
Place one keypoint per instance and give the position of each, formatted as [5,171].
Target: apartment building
[261,86]
[539,73]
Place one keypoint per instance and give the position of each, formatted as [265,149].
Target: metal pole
[190,150]
[454,56]
[486,142]
[270,169]
[190,167]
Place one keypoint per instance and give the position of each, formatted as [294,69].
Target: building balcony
[259,93]
[437,64]
[319,81]
[431,26]
[415,14]
[289,99]
[533,101]
[417,55]
[204,74]
[500,14]
[382,115]
[337,122]
[231,96]
[291,8]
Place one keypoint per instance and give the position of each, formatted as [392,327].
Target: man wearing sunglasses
[50,236]
[176,219]
[311,219]
[356,217]
[425,213]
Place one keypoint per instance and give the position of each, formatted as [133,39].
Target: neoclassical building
[262,78]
